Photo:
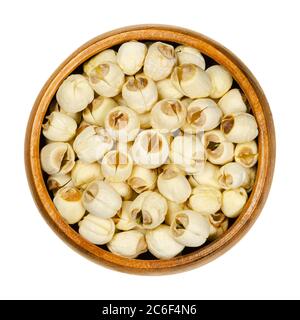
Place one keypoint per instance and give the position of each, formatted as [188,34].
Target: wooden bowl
[266,144]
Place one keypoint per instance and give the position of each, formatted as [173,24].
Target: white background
[36,36]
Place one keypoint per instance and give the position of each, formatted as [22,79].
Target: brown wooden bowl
[266,144]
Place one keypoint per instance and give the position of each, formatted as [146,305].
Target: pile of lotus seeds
[147,149]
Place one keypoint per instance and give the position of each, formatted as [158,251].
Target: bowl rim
[266,145]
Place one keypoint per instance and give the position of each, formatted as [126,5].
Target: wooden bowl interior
[214,53]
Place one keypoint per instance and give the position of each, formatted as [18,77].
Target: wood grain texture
[266,143]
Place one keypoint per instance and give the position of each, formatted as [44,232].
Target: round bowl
[266,144]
